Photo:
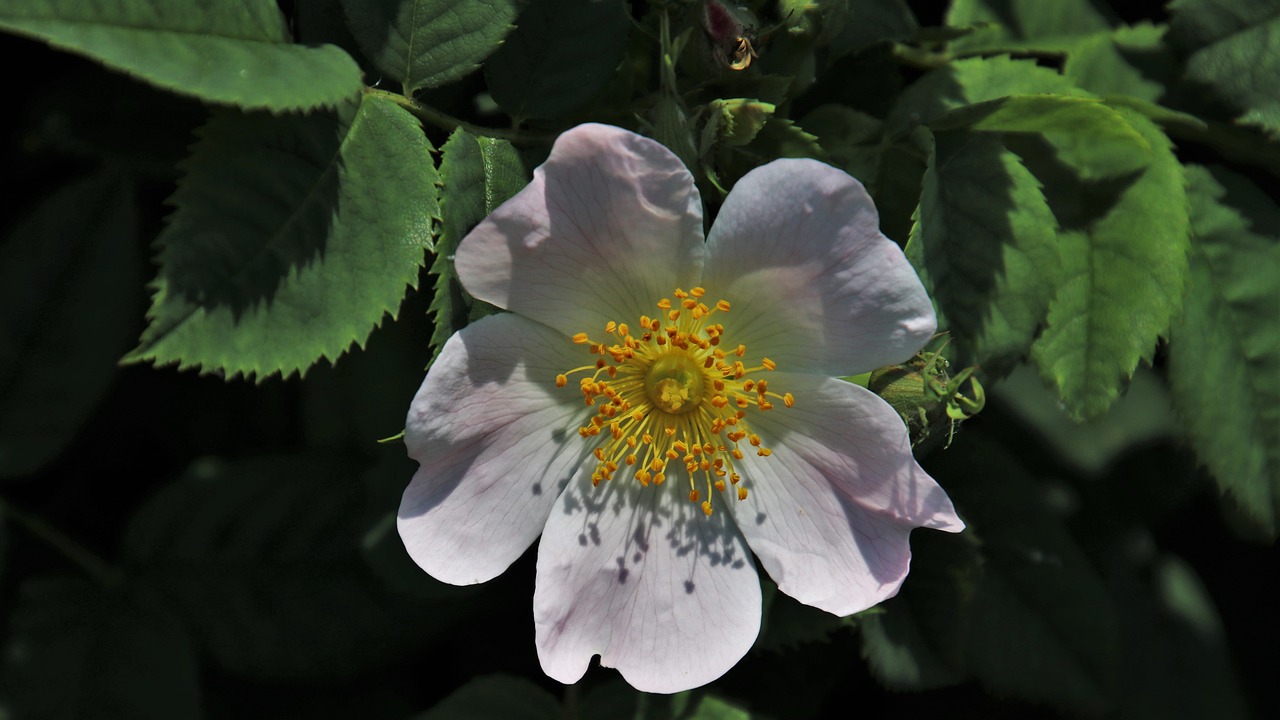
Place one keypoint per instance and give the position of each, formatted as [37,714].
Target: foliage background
[245,191]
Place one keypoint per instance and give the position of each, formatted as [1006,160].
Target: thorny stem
[444,121]
[91,564]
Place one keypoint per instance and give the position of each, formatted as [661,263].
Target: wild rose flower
[659,408]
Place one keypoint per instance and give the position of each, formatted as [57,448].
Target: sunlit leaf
[477,174]
[293,238]
[237,52]
[560,55]
[427,43]
[1224,354]
[986,248]
[1124,251]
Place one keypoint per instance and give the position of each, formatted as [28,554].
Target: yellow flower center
[668,392]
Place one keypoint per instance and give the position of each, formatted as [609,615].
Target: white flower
[658,408]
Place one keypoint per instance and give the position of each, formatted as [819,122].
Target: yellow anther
[562,380]
[697,291]
[706,508]
[769,364]
[657,464]
[742,493]
[623,330]
[789,400]
[764,452]
[722,305]
[664,304]
[580,338]
[694,496]
[610,326]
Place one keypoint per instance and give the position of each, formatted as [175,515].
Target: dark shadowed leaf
[560,55]
[261,559]
[1232,47]
[75,650]
[496,697]
[69,280]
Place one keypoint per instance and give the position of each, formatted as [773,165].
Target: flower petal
[666,595]
[610,224]
[496,441]
[798,252]
[830,512]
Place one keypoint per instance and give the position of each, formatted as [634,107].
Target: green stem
[445,121]
[94,566]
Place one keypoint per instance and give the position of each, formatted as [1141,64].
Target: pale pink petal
[642,578]
[829,513]
[797,251]
[611,224]
[496,440]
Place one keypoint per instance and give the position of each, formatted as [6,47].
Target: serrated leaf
[292,239]
[427,43]
[1132,61]
[987,248]
[1006,24]
[77,250]
[1232,54]
[1094,139]
[971,81]
[477,174]
[261,560]
[1125,266]
[560,55]
[496,697]
[75,651]
[234,53]
[1224,353]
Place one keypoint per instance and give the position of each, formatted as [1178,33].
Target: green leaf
[76,651]
[235,52]
[851,140]
[1124,251]
[1224,353]
[987,248]
[477,174]
[871,22]
[1233,54]
[561,54]
[1095,140]
[427,43]
[293,238]
[496,697]
[972,81]
[261,559]
[1132,61]
[1024,24]
[79,249]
